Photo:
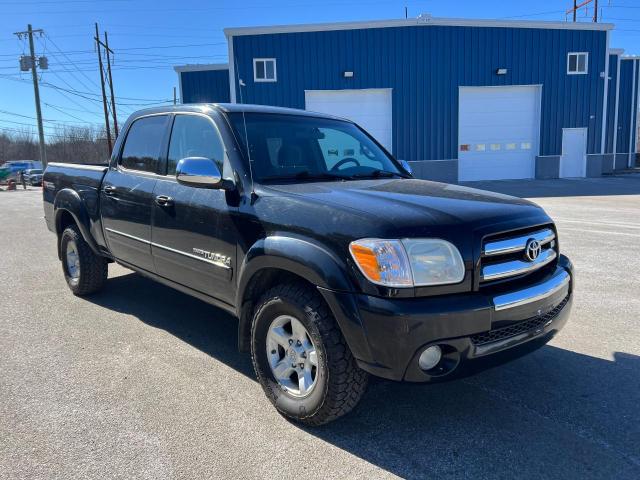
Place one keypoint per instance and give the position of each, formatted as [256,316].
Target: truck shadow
[552,414]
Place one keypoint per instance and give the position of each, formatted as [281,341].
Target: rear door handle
[164,201]
[109,190]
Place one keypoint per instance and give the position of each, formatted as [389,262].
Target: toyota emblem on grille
[532,249]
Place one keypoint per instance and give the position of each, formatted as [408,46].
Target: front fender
[69,201]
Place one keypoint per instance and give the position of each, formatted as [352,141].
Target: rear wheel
[301,358]
[84,271]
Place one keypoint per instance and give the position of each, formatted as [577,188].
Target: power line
[207,9]
[58,2]
[2,120]
[65,113]
[67,71]
[128,49]
[538,14]
[71,61]
[144,57]
[148,101]
[24,131]
[47,120]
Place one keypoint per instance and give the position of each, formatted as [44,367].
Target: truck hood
[419,207]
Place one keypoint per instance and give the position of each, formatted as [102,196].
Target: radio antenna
[246,135]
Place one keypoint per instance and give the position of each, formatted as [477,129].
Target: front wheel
[84,271]
[301,358]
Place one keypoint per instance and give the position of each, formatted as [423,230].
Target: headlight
[408,263]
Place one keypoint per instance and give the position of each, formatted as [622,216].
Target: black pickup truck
[337,263]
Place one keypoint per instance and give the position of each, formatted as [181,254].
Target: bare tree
[75,144]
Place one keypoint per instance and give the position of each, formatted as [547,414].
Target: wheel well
[261,281]
[64,220]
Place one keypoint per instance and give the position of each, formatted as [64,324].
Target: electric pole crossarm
[577,6]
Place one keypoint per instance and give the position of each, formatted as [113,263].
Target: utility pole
[174,96]
[32,63]
[575,9]
[113,98]
[104,94]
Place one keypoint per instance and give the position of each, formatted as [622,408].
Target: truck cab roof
[231,108]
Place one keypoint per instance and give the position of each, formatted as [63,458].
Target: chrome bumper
[559,282]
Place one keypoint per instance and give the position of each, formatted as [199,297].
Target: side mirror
[406,166]
[199,172]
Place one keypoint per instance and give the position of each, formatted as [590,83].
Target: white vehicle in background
[33,176]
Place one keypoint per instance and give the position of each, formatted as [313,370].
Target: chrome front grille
[506,257]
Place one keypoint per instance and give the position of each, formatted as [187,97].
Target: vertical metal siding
[634,118]
[205,86]
[425,66]
[611,103]
[626,121]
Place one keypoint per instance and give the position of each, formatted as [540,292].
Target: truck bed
[85,180]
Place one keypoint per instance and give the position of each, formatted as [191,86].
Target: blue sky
[150,36]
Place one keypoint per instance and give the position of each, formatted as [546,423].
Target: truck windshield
[298,147]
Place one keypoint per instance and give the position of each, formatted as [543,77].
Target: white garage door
[498,132]
[370,108]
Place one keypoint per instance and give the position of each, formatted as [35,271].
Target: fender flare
[299,256]
[69,201]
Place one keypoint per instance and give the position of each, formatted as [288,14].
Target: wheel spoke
[282,370]
[305,380]
[312,357]
[298,331]
[280,336]
[72,260]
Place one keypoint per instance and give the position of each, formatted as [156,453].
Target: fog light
[430,357]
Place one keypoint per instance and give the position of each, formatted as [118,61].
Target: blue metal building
[204,83]
[460,99]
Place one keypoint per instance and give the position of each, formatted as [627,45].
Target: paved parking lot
[141,381]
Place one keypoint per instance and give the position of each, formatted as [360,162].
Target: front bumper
[474,330]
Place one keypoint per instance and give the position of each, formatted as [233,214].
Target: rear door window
[143,146]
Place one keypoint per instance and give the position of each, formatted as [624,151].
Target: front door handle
[109,190]
[164,201]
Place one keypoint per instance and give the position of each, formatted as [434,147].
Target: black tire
[93,269]
[340,382]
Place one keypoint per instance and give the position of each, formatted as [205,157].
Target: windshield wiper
[375,174]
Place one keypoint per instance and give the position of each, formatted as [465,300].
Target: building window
[577,63]
[264,70]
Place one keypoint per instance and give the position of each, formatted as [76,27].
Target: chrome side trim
[195,257]
[79,166]
[169,249]
[516,244]
[516,267]
[534,293]
[132,237]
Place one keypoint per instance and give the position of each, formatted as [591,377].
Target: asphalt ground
[141,381]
